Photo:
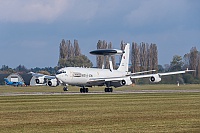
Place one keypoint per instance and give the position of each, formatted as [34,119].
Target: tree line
[21,69]
[143,57]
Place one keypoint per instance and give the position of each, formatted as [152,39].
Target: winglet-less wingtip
[187,70]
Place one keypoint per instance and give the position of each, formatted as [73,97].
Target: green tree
[44,72]
[176,63]
[6,69]
[160,68]
[77,51]
[188,78]
[193,59]
[135,58]
[62,62]
[21,68]
[77,61]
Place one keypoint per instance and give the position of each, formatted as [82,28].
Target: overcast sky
[31,30]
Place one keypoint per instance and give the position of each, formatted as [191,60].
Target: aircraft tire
[65,89]
[86,90]
[105,89]
[81,90]
[108,89]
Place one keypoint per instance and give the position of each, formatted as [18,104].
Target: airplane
[13,83]
[88,77]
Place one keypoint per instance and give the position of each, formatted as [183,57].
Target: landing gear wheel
[108,89]
[65,89]
[86,90]
[83,90]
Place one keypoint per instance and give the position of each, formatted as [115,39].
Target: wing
[42,79]
[132,74]
[37,75]
[160,74]
[49,77]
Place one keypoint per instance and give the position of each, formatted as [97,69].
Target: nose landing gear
[65,88]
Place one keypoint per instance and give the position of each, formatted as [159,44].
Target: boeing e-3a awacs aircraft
[88,77]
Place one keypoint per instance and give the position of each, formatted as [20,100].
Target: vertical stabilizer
[111,65]
[6,80]
[125,59]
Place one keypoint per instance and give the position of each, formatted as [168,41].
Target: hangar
[28,79]
[15,77]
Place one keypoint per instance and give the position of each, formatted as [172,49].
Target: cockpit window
[60,71]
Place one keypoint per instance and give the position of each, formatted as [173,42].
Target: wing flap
[102,81]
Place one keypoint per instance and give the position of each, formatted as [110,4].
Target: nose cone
[57,76]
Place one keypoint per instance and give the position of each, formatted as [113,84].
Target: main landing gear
[83,90]
[108,89]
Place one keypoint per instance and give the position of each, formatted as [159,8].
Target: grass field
[8,89]
[168,112]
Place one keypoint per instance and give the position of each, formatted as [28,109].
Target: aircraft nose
[58,76]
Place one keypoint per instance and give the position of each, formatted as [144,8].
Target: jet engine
[125,81]
[155,78]
[39,80]
[53,82]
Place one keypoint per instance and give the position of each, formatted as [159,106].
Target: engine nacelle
[155,78]
[53,82]
[39,80]
[125,81]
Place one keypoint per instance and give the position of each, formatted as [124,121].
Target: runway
[98,92]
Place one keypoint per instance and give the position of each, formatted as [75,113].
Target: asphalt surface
[99,92]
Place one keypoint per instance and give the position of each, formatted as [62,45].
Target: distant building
[28,79]
[2,76]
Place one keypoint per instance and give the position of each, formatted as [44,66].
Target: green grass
[8,89]
[174,112]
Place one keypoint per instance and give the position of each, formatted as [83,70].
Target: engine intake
[53,82]
[39,80]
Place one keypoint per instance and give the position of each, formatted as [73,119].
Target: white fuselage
[83,76]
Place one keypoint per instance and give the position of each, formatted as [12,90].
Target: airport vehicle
[88,77]
[13,83]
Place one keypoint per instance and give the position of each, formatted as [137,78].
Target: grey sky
[31,30]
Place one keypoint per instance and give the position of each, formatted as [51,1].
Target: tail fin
[6,80]
[125,59]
